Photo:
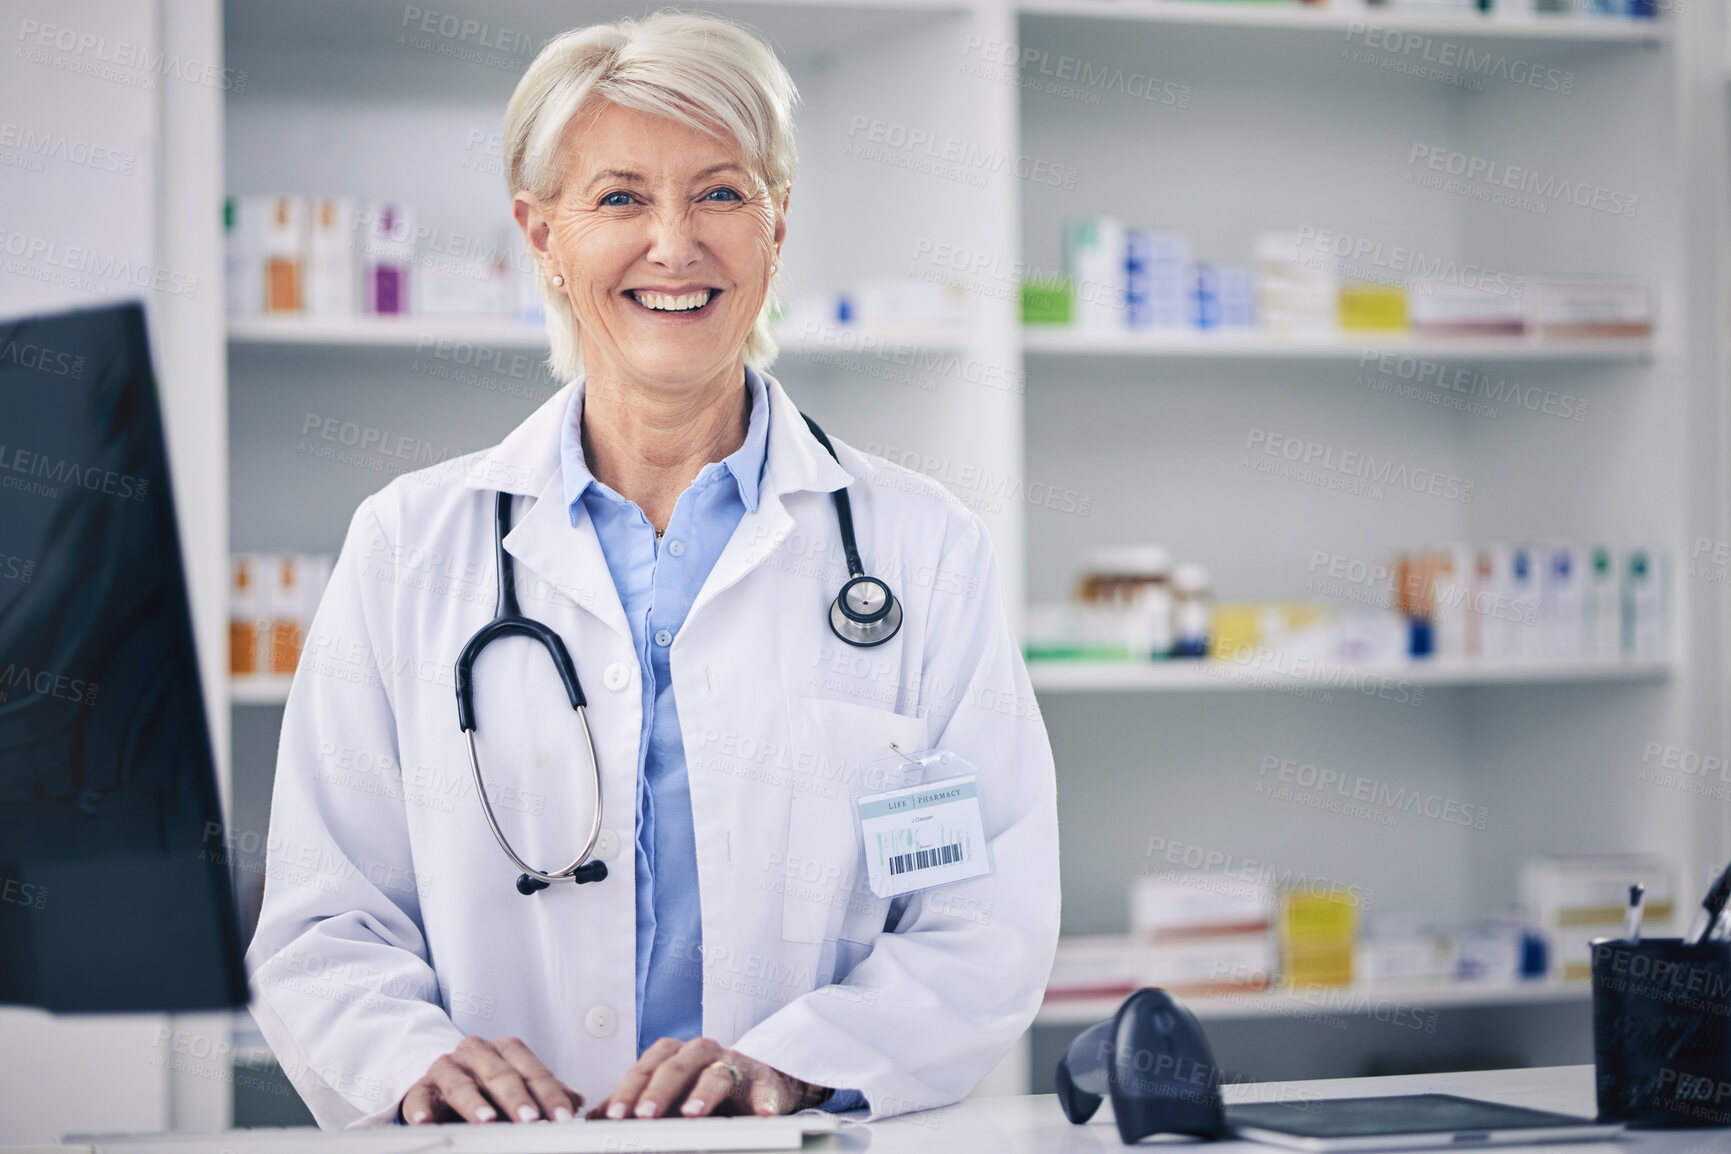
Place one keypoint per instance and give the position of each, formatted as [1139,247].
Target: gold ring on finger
[724,1064]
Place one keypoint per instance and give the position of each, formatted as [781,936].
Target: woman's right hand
[482,1081]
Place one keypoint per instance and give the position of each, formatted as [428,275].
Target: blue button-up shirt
[657,583]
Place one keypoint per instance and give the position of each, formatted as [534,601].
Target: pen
[1711,907]
[1632,919]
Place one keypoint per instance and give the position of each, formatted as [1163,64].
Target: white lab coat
[391,926]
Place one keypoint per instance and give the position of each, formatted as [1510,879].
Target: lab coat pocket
[840,751]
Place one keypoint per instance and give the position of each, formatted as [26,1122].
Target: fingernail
[617,1110]
[560,1114]
[693,1107]
[486,1113]
[646,1109]
[528,1113]
[420,1117]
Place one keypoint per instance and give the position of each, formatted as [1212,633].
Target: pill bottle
[246,640]
[1192,608]
[1137,580]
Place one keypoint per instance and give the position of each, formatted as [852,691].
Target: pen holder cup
[1662,1032]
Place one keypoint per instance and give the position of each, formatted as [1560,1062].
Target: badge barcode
[925,859]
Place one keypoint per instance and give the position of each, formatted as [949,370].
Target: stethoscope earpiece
[590,871]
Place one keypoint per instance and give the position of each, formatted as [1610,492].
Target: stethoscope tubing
[508,619]
[581,859]
[862,631]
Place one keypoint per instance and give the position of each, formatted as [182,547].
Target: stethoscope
[865,613]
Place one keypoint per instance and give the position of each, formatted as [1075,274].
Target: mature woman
[750,925]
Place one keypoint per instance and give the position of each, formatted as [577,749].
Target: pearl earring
[558,280]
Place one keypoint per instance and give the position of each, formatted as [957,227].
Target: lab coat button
[599,1022]
[617,675]
[606,845]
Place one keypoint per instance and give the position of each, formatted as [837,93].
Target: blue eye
[721,194]
[616,199]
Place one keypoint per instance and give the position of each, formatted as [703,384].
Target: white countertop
[1029,1123]
[1010,1125]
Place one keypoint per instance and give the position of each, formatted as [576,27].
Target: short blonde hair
[700,70]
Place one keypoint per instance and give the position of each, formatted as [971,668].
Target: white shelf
[1256,345]
[415,331]
[385,332]
[1332,1001]
[271,690]
[1057,676]
[349,50]
[1339,17]
[885,343]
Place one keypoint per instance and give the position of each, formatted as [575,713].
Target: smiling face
[666,237]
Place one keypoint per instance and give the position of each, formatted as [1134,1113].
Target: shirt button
[599,1022]
[677,548]
[663,638]
[607,845]
[617,675]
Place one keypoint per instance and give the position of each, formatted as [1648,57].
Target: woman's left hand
[699,1077]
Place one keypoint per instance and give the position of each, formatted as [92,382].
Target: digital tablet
[1405,1122]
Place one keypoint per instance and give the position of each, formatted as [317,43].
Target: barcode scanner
[1154,1060]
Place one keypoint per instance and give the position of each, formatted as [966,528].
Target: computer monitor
[112,895]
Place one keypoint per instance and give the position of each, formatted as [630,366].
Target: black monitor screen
[112,897]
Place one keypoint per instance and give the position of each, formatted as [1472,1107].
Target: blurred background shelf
[1177,676]
[1342,17]
[385,332]
[880,343]
[421,331]
[1332,1000]
[260,690]
[1263,346]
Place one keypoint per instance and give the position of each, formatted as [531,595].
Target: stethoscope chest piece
[865,613]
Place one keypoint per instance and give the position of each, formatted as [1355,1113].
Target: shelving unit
[885,344]
[1280,130]
[1293,118]
[1256,345]
[1332,1000]
[273,690]
[412,332]
[1341,17]
[1208,676]
[383,332]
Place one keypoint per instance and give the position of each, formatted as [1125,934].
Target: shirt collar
[745,463]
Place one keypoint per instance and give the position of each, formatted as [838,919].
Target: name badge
[923,836]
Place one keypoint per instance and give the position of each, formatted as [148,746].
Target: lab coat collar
[528,458]
[529,455]
[797,463]
[569,557]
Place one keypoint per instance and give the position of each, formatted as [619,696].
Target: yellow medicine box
[1376,308]
[1318,933]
